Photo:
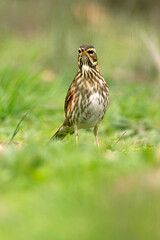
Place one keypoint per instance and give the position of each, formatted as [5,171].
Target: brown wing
[70,97]
[68,100]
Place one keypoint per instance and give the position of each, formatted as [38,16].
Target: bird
[87,97]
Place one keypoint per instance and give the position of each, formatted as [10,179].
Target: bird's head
[87,57]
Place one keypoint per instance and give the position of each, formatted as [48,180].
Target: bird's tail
[60,134]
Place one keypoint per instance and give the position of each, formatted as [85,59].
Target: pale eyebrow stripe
[91,49]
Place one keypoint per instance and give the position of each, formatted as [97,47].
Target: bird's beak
[84,52]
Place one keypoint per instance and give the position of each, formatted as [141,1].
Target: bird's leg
[95,134]
[76,133]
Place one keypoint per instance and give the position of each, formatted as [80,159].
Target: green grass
[63,191]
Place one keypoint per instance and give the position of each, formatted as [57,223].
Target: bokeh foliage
[63,191]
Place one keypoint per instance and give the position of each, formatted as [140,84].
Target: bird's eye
[90,51]
[79,50]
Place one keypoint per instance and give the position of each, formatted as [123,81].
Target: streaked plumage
[87,98]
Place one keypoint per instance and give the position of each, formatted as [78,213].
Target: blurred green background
[63,191]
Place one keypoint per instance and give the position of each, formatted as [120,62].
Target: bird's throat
[85,68]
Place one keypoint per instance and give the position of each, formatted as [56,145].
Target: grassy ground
[63,191]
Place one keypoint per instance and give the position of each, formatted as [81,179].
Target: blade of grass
[119,138]
[17,128]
